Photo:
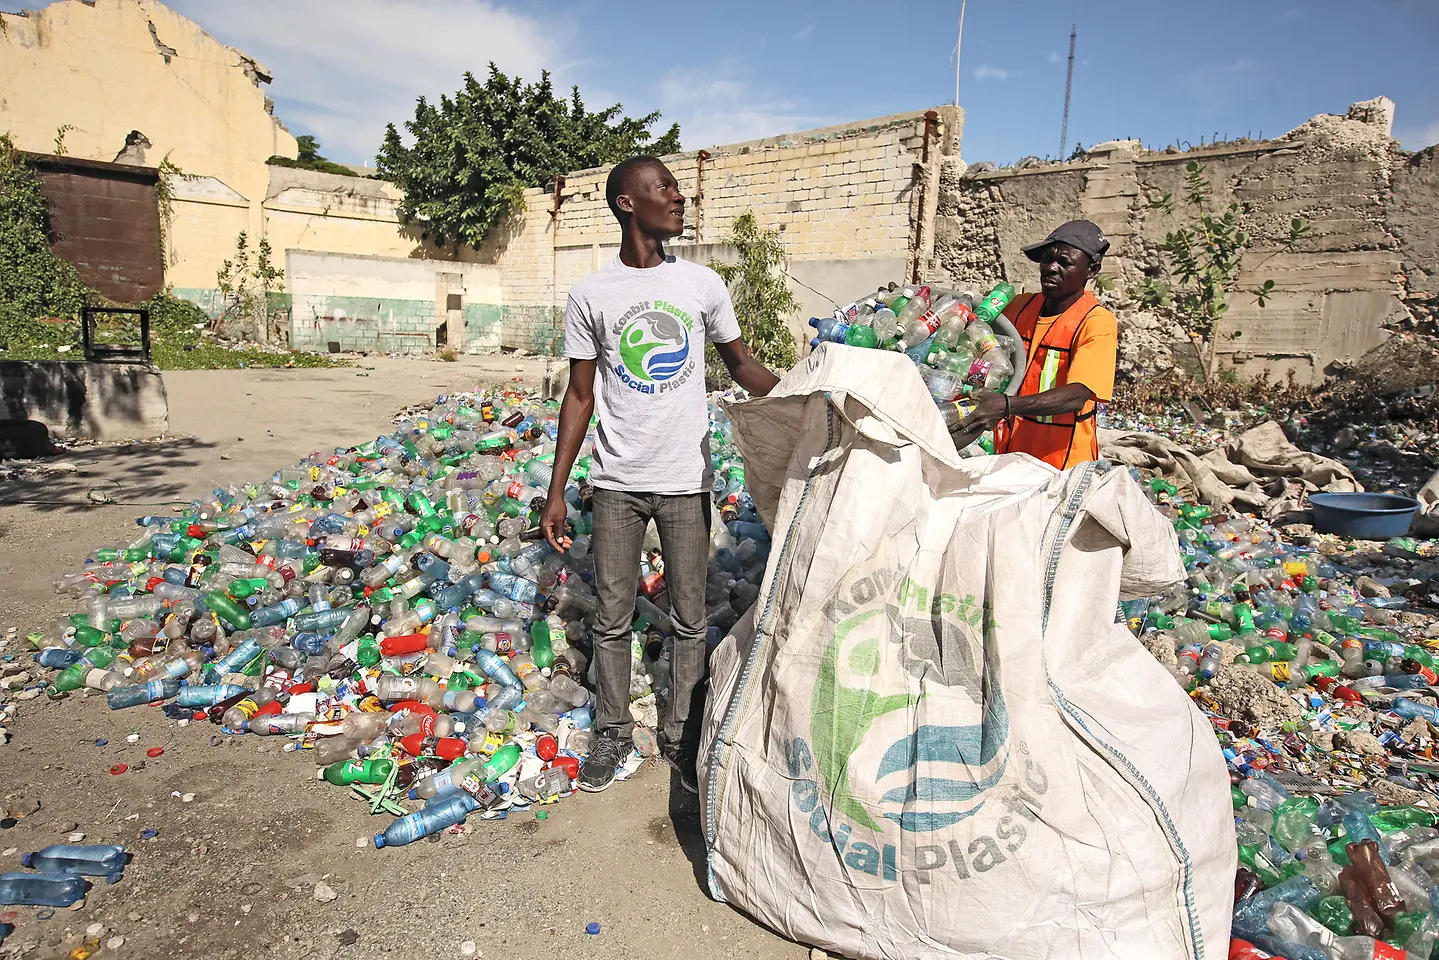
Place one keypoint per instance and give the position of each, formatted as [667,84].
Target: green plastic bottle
[372,770]
[1389,819]
[502,762]
[1294,822]
[1268,652]
[90,637]
[542,652]
[228,610]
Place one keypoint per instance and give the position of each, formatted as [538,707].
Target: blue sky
[1157,70]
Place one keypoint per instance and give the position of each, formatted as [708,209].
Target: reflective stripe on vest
[1048,374]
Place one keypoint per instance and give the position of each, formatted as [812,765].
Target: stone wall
[853,194]
[1368,262]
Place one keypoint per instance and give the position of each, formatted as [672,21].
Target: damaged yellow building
[132,81]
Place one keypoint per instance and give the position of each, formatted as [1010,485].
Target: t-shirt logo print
[654,346]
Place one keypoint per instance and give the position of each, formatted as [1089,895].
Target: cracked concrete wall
[111,67]
[1368,263]
[138,82]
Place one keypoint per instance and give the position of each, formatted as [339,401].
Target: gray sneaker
[607,754]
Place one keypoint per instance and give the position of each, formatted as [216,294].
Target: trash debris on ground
[1314,658]
[392,610]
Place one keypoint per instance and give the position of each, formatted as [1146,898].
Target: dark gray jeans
[618,536]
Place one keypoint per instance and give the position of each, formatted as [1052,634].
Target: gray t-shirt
[647,330]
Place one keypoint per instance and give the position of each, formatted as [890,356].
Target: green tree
[762,298]
[245,285]
[475,153]
[33,281]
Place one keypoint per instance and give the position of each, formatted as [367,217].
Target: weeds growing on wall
[1204,257]
[762,298]
[245,282]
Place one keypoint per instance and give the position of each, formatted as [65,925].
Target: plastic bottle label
[979,372]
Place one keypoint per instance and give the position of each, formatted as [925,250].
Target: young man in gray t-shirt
[642,322]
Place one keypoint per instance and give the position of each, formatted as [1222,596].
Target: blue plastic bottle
[237,659]
[441,812]
[516,588]
[207,694]
[87,851]
[142,693]
[277,614]
[495,667]
[41,890]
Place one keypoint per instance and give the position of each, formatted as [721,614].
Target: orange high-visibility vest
[1051,439]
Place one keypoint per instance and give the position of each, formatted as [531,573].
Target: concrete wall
[98,401]
[1368,262]
[854,198]
[391,305]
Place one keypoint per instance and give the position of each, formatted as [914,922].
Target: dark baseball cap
[1080,234]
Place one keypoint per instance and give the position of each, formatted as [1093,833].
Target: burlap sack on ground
[931,739]
[1259,471]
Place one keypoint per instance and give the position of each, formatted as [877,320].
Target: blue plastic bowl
[1365,516]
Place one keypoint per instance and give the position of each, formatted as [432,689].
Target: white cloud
[807,32]
[1054,57]
[714,105]
[987,72]
[343,68]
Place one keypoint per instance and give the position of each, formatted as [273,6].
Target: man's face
[1064,270]
[655,201]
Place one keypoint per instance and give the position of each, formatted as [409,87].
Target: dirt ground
[233,872]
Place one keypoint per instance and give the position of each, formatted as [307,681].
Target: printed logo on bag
[654,347]
[877,771]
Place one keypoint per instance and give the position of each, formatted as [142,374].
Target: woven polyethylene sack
[930,738]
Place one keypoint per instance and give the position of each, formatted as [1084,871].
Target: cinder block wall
[848,193]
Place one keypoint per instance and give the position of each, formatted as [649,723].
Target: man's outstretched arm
[757,379]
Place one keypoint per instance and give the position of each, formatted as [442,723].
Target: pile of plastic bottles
[393,610]
[949,336]
[1316,693]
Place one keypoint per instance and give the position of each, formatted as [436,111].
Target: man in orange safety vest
[1070,344]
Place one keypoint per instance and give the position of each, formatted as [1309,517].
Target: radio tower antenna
[958,45]
[1069,82]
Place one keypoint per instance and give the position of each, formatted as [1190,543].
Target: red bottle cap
[154,751]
